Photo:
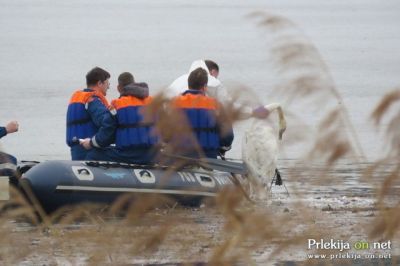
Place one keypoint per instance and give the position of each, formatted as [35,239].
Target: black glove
[223,149]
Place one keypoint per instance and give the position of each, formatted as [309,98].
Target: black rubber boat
[59,183]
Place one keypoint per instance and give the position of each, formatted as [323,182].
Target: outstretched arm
[11,127]
[3,132]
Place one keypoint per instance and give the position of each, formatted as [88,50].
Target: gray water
[47,47]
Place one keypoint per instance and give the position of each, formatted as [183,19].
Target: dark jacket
[134,137]
[88,117]
[3,132]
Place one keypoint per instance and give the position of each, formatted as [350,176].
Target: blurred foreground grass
[231,230]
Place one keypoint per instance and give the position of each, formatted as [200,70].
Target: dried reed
[233,231]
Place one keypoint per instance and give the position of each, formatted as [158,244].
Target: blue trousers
[78,153]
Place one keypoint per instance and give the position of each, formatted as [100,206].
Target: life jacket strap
[79,121]
[205,129]
[135,125]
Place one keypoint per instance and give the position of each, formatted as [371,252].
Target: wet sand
[344,211]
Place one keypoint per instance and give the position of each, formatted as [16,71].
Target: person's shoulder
[94,99]
[213,101]
[95,102]
[213,82]
[78,96]
[78,91]
[179,81]
[178,86]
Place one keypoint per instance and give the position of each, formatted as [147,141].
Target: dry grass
[145,227]
[388,223]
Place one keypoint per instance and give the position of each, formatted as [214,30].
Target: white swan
[260,149]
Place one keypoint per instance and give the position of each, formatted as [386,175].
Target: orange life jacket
[132,130]
[200,111]
[79,122]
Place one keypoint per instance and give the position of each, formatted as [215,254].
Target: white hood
[212,81]
[180,84]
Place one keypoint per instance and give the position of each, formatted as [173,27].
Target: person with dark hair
[89,121]
[135,140]
[124,79]
[8,163]
[128,87]
[212,67]
[198,79]
[202,113]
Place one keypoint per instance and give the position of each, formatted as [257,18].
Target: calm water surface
[47,47]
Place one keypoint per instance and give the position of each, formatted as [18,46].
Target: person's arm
[105,121]
[224,129]
[226,137]
[225,133]
[11,127]
[3,132]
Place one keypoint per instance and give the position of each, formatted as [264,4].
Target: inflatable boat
[59,183]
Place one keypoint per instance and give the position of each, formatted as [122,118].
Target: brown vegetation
[145,227]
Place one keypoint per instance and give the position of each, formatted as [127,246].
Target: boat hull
[59,183]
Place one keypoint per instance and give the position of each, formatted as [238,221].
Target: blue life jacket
[79,122]
[200,111]
[132,131]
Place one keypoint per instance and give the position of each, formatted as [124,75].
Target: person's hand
[12,127]
[222,150]
[260,112]
[85,143]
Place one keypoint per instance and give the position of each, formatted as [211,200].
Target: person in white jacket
[215,88]
[180,84]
